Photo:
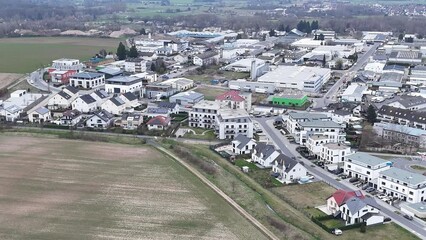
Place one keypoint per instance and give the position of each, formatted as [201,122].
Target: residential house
[84,104]
[187,99]
[231,122]
[159,91]
[87,80]
[401,116]
[115,106]
[70,118]
[242,145]
[315,143]
[288,169]
[235,99]
[100,119]
[206,59]
[130,99]
[12,113]
[60,100]
[402,184]
[264,155]
[61,76]
[159,123]
[39,115]
[157,111]
[365,167]
[397,134]
[409,102]
[172,107]
[131,121]
[100,96]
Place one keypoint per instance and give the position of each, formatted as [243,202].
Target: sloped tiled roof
[341,196]
[230,95]
[159,121]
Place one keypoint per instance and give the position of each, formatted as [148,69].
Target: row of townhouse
[411,118]
[395,182]
[285,168]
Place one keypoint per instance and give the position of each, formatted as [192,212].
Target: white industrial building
[123,84]
[309,79]
[354,93]
[65,64]
[87,80]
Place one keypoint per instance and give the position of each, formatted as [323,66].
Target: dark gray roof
[101,94]
[242,140]
[87,99]
[168,105]
[207,54]
[286,162]
[64,95]
[410,101]
[380,57]
[130,96]
[104,115]
[87,75]
[264,149]
[355,204]
[394,67]
[111,71]
[71,89]
[136,116]
[406,114]
[117,101]
[155,110]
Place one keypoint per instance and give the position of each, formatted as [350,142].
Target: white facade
[84,106]
[203,114]
[365,167]
[231,122]
[60,100]
[115,106]
[67,64]
[241,146]
[40,115]
[135,66]
[87,80]
[334,153]
[123,84]
[407,186]
[264,155]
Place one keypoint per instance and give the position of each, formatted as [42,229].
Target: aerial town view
[213,119]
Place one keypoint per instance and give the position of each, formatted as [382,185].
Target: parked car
[387,219]
[353,180]
[370,189]
[365,186]
[337,232]
[409,217]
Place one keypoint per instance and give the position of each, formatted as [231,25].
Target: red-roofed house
[340,197]
[235,99]
[159,123]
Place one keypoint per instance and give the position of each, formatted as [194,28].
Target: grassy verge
[418,167]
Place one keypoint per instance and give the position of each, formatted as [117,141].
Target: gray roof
[406,114]
[355,204]
[320,123]
[264,149]
[168,105]
[42,110]
[410,101]
[367,159]
[394,67]
[157,110]
[207,54]
[306,115]
[130,96]
[111,71]
[285,161]
[101,94]
[136,116]
[64,95]
[117,101]
[87,75]
[188,95]
[87,99]
[71,89]
[242,140]
[404,176]
[104,115]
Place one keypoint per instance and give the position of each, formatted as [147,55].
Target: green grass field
[54,188]
[23,55]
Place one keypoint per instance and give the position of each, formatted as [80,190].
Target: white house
[405,185]
[114,106]
[123,84]
[203,114]
[264,155]
[206,58]
[39,115]
[60,100]
[235,99]
[242,145]
[334,153]
[84,104]
[353,207]
[159,123]
[100,96]
[130,99]
[70,118]
[173,108]
[65,64]
[100,119]
[87,80]
[365,167]
[288,169]
[315,143]
[135,65]
[131,120]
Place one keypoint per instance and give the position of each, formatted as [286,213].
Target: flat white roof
[293,74]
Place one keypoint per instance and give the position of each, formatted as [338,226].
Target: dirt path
[235,205]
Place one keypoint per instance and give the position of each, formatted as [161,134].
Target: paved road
[416,226]
[235,205]
[331,95]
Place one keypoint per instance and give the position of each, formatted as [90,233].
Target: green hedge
[353,226]
[319,223]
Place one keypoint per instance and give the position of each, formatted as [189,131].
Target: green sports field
[24,55]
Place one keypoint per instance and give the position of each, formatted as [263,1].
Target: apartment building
[231,122]
[65,64]
[203,114]
[334,153]
[235,99]
[87,80]
[401,116]
[135,65]
[365,167]
[405,185]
